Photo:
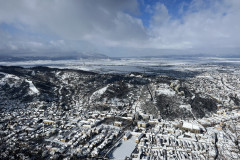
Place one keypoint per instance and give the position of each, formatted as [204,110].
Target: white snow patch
[193,97]
[186,106]
[166,92]
[32,87]
[125,149]
[9,75]
[98,93]
[165,89]
[192,125]
[137,106]
[204,76]
[4,80]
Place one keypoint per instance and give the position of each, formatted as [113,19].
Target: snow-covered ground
[186,106]
[125,149]
[98,93]
[9,76]
[32,87]
[124,65]
[6,78]
[165,89]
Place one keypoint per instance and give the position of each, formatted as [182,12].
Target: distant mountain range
[54,58]
[189,56]
[77,56]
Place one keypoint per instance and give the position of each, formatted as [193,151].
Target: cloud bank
[116,28]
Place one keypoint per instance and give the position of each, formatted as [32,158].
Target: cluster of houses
[77,132]
[189,139]
[94,134]
[218,85]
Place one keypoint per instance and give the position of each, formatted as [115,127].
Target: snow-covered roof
[191,126]
[127,134]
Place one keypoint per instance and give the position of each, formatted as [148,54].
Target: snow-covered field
[123,65]
[165,89]
[98,93]
[33,89]
[4,80]
[125,149]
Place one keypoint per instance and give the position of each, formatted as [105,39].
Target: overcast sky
[119,27]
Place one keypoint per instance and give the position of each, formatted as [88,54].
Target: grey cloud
[160,16]
[104,22]
[210,29]
[73,19]
[111,27]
